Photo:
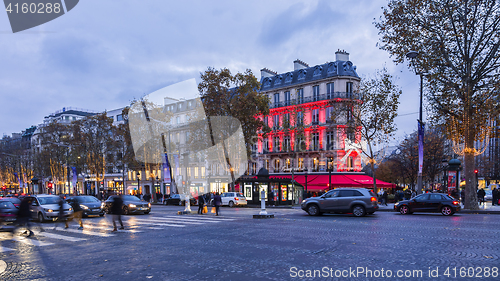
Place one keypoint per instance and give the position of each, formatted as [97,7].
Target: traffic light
[49,185]
[475,172]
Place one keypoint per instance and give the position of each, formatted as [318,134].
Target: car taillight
[456,202]
[374,199]
[236,199]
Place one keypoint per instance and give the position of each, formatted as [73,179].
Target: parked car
[233,198]
[429,202]
[488,195]
[13,200]
[358,201]
[131,205]
[178,199]
[46,207]
[8,211]
[90,205]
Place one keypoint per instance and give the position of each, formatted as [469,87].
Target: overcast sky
[104,53]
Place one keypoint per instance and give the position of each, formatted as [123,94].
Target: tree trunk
[374,179]
[470,182]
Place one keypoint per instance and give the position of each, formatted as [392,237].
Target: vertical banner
[18,179]
[166,170]
[452,179]
[421,130]
[75,179]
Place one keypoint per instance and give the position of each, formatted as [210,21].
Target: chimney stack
[298,64]
[267,73]
[341,55]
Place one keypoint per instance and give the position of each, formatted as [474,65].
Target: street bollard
[262,203]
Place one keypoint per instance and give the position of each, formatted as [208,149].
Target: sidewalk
[486,208]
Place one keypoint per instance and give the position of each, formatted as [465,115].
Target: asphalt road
[234,246]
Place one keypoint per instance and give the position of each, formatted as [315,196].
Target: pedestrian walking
[77,212]
[60,217]
[384,197]
[24,215]
[116,211]
[462,195]
[217,203]
[480,195]
[201,204]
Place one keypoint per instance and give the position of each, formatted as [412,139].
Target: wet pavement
[233,246]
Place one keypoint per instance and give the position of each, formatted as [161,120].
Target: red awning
[320,182]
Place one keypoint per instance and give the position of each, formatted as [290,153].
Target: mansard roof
[317,72]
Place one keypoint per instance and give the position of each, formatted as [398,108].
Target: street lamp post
[421,126]
[330,167]
[305,174]
[138,180]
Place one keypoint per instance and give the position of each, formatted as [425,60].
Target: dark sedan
[429,202]
[176,199]
[13,200]
[131,205]
[90,205]
[8,211]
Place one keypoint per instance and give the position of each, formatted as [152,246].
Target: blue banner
[421,130]
[75,179]
[166,170]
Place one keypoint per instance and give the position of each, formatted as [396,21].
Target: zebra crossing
[49,235]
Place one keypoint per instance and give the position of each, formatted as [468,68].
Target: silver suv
[46,207]
[358,201]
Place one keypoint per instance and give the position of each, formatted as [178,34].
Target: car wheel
[446,211]
[231,204]
[125,210]
[404,210]
[40,218]
[146,213]
[358,211]
[313,210]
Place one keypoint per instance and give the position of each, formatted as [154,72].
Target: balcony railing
[342,95]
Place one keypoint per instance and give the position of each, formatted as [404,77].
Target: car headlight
[49,210]
[102,205]
[84,207]
[132,205]
[396,204]
[149,205]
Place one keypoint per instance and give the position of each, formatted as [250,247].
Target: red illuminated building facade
[310,111]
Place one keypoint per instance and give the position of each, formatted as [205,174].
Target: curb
[461,211]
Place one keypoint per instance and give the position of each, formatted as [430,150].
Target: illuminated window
[267,164]
[350,163]
[329,163]
[288,163]
[276,165]
[301,163]
[315,165]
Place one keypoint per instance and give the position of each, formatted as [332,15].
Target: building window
[276,99]
[300,96]
[350,163]
[266,144]
[202,172]
[300,118]
[329,164]
[196,175]
[178,119]
[329,141]
[300,144]
[266,121]
[301,163]
[315,116]
[267,164]
[315,93]
[329,90]
[348,115]
[348,90]
[276,122]
[119,117]
[287,98]
[276,147]
[180,106]
[315,165]
[276,167]
[286,144]
[288,164]
[329,114]
[286,120]
[315,141]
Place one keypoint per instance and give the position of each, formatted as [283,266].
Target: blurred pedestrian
[116,211]
[24,215]
[494,197]
[77,212]
[462,195]
[201,204]
[217,203]
[60,217]
[384,197]
[480,195]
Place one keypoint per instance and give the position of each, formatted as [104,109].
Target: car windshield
[6,205]
[131,198]
[87,199]
[14,200]
[240,195]
[49,200]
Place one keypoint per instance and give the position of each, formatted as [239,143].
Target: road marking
[172,221]
[31,242]
[110,228]
[158,224]
[4,249]
[87,232]
[58,236]
[205,219]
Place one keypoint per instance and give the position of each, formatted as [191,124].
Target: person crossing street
[77,212]
[116,211]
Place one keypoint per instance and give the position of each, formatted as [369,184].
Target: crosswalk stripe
[199,217]
[5,249]
[58,236]
[172,221]
[32,242]
[111,228]
[87,232]
[195,218]
[159,224]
